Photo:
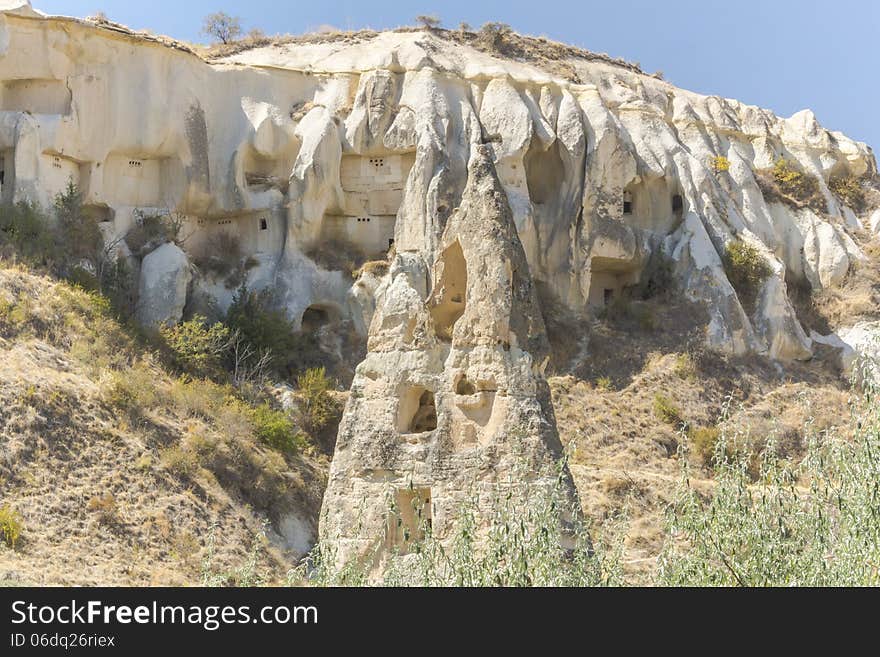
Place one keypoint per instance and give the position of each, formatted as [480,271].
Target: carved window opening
[607,296]
[264,225]
[465,387]
[417,412]
[411,519]
[448,298]
[627,203]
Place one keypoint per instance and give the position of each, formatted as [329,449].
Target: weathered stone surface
[267,155]
[451,396]
[165,276]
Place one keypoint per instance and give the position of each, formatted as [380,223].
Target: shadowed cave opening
[417,412]
[448,296]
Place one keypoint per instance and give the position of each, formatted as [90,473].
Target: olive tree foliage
[222,26]
[812,523]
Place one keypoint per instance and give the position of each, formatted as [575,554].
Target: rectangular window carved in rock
[410,519]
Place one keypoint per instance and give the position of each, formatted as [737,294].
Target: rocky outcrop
[165,276]
[450,402]
[365,142]
[484,178]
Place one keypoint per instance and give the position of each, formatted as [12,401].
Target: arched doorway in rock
[317,316]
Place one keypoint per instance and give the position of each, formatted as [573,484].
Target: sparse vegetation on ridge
[785,183]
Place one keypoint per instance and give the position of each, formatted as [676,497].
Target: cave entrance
[417,412]
[448,298]
[677,206]
[411,519]
[7,179]
[316,317]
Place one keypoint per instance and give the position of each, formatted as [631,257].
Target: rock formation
[451,396]
[406,139]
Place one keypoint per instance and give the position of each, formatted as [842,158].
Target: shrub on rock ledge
[786,184]
[746,270]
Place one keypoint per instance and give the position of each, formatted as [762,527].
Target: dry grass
[626,454]
[119,469]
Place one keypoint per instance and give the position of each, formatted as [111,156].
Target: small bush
[220,256]
[153,230]
[318,405]
[26,229]
[377,268]
[666,411]
[746,270]
[685,367]
[849,190]
[703,441]
[276,429]
[80,235]
[338,255]
[267,330]
[786,184]
[603,383]
[11,525]
[182,462]
[493,36]
[197,347]
[719,164]
[430,22]
[133,391]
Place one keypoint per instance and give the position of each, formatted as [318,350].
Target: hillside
[125,473]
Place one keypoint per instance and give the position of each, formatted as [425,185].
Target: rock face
[488,176]
[365,142]
[451,398]
[165,276]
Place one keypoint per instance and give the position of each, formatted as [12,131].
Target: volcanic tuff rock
[406,139]
[450,401]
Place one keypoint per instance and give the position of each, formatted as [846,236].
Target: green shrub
[318,405]
[786,184]
[276,429]
[197,347]
[703,441]
[79,233]
[812,523]
[685,367]
[666,411]
[27,230]
[604,383]
[746,270]
[849,190]
[10,525]
[266,329]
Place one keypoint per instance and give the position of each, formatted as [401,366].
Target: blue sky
[786,55]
